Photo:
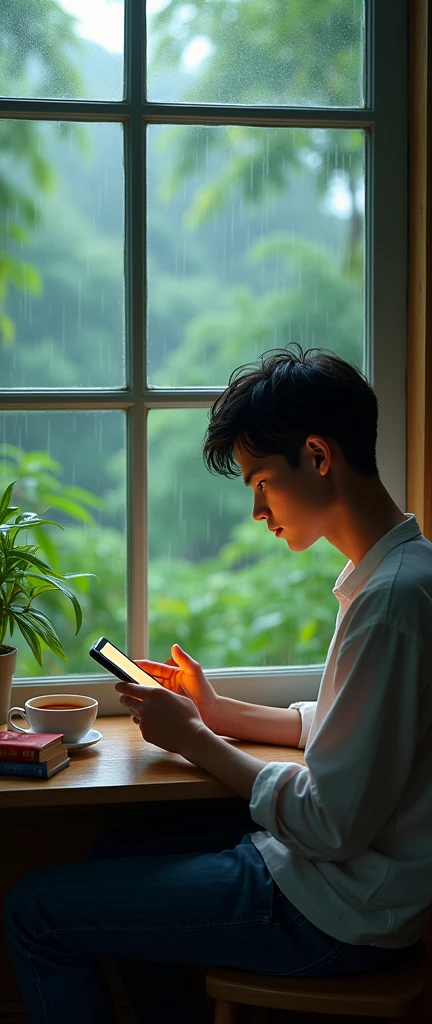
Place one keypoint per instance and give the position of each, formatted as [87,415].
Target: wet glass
[62,49]
[220,584]
[70,467]
[269,52]
[255,239]
[62,322]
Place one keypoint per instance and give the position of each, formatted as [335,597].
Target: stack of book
[34,755]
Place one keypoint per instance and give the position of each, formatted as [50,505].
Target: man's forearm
[260,724]
[233,767]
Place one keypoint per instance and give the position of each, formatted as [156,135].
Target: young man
[330,872]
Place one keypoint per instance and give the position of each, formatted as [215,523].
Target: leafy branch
[24,576]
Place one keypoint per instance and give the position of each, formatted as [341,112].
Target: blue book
[43,770]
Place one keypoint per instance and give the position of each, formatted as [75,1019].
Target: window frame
[384,119]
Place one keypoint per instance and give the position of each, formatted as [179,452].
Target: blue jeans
[190,889]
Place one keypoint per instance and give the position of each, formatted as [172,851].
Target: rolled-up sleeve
[307,710]
[359,760]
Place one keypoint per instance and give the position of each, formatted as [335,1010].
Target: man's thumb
[183,659]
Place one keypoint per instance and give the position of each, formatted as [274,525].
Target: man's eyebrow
[250,476]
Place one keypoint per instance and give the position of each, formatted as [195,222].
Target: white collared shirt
[349,837]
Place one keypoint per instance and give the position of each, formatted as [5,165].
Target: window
[256,196]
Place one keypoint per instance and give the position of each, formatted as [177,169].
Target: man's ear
[319,453]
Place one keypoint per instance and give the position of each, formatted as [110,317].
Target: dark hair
[272,406]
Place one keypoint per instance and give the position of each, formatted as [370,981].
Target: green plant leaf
[10,451]
[30,636]
[3,627]
[71,507]
[27,558]
[48,546]
[7,329]
[80,494]
[42,588]
[32,462]
[68,594]
[79,575]
[4,502]
[43,627]
[31,519]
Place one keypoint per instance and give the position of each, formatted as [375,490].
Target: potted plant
[23,577]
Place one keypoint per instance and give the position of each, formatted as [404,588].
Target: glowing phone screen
[127,665]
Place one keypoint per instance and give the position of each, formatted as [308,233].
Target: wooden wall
[419,369]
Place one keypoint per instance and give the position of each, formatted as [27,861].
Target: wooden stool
[394,993]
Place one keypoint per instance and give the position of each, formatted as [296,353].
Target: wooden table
[122,768]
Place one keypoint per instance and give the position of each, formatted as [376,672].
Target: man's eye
[261,485]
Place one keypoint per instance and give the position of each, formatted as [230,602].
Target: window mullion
[260,116]
[388,241]
[135,335]
[57,398]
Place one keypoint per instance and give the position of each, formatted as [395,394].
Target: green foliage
[248,324]
[277,53]
[208,565]
[103,603]
[243,327]
[24,577]
[209,605]
[38,485]
[247,606]
[40,35]
[85,309]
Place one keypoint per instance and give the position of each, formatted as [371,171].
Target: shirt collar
[352,577]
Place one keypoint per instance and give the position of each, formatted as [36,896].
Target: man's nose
[259,513]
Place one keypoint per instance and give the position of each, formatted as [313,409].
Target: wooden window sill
[122,768]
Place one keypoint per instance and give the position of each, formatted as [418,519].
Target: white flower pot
[8,657]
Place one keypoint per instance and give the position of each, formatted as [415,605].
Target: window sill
[274,687]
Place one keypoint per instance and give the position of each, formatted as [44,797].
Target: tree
[277,53]
[37,39]
[236,334]
[206,564]
[210,605]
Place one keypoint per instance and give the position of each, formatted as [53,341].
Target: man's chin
[298,543]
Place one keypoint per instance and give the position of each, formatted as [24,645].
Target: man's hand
[166,719]
[183,675]
[174,723]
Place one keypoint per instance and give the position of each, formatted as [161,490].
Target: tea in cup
[68,713]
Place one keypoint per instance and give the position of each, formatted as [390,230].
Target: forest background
[255,238]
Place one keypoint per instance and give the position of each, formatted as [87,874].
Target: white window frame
[384,119]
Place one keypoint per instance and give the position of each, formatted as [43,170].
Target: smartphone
[115,661]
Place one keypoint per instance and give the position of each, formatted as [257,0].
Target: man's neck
[363,514]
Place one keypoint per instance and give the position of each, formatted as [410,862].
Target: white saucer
[87,741]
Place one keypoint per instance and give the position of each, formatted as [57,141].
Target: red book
[33,746]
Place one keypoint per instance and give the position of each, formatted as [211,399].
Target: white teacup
[69,713]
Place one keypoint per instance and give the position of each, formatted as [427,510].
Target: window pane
[62,228]
[255,238]
[62,49]
[70,467]
[282,52]
[220,584]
